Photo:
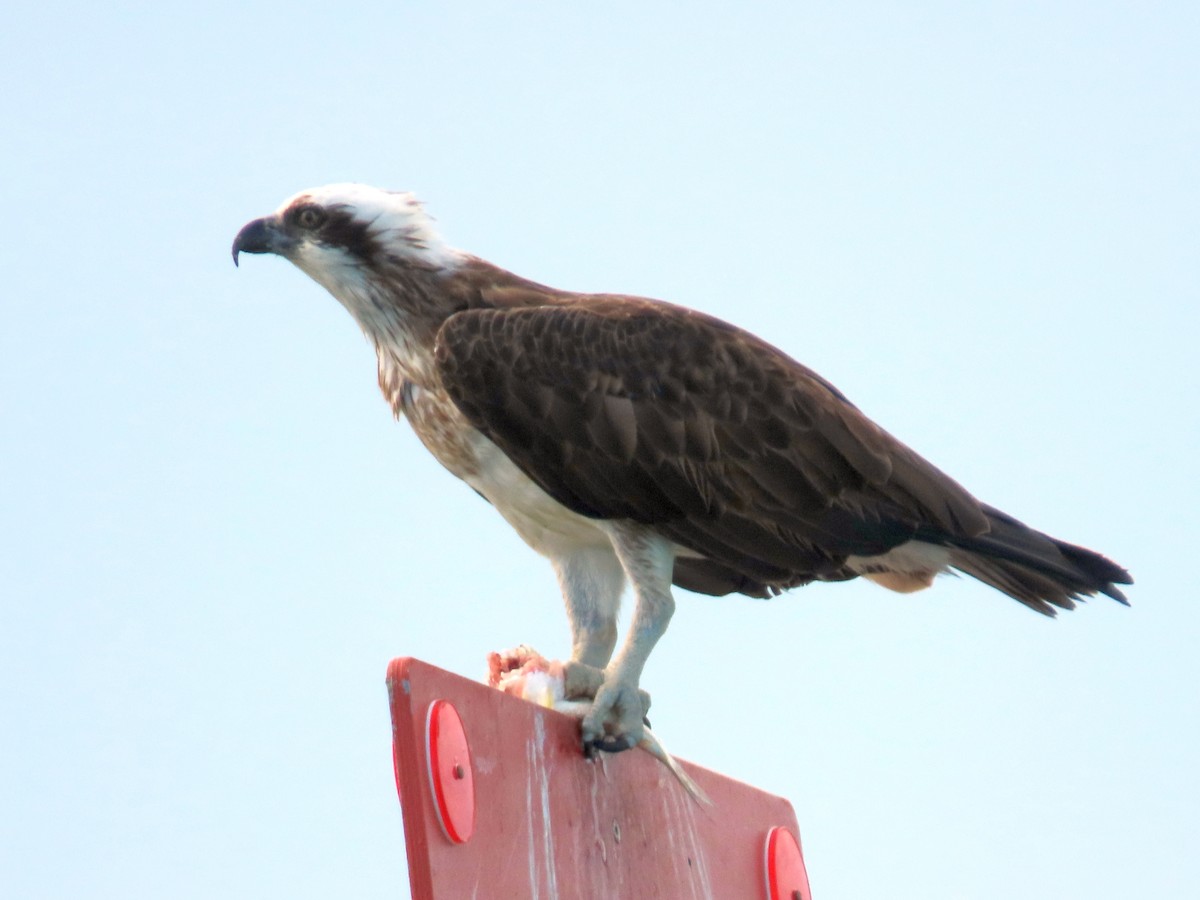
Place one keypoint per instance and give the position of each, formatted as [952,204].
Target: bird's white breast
[545,524]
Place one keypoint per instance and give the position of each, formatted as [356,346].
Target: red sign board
[499,802]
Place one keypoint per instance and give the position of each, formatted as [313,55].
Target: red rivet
[451,778]
[787,878]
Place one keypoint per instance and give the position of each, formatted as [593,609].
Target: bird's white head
[338,234]
[378,254]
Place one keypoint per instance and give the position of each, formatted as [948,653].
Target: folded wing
[626,408]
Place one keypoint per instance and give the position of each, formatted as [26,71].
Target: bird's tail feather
[1034,568]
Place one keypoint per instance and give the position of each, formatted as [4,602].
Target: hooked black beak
[259,236]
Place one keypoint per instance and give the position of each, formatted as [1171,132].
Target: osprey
[632,441]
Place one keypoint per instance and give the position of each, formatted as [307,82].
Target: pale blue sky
[980,221]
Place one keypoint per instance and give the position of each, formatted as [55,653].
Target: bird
[639,444]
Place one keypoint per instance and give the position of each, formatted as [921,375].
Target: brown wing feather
[627,408]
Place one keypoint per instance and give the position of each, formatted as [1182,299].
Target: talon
[607,744]
[614,722]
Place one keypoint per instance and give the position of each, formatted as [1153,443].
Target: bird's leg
[616,720]
[592,581]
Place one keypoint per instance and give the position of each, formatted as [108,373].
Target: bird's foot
[613,711]
[583,682]
[617,719]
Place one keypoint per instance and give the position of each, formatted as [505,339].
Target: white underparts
[912,566]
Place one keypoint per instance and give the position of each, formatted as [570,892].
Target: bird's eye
[310,217]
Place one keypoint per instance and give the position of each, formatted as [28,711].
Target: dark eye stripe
[343,230]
